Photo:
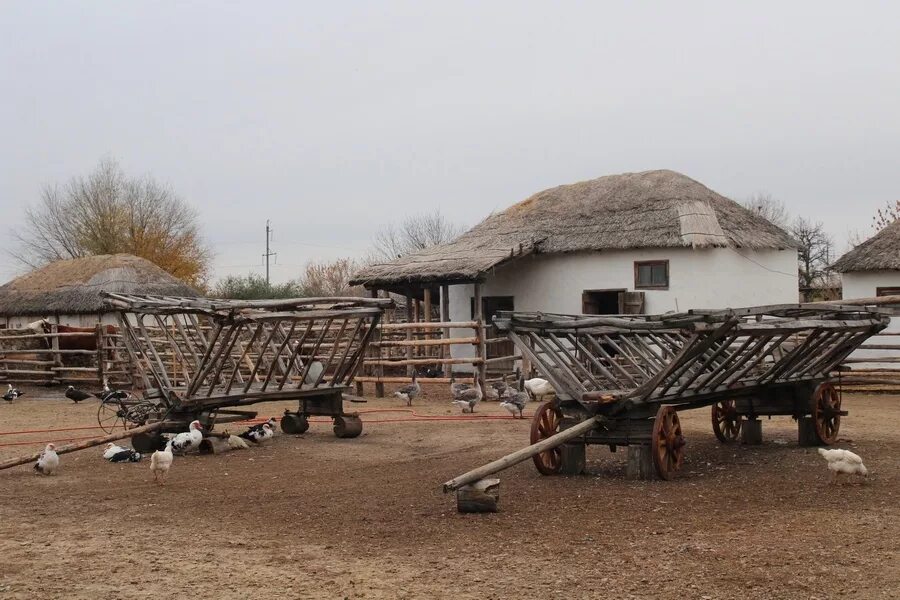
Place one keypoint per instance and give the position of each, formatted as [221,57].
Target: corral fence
[62,356]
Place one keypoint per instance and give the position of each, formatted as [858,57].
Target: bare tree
[813,256]
[885,216]
[108,212]
[414,233]
[769,208]
[321,278]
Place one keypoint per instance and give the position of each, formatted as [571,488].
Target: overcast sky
[332,118]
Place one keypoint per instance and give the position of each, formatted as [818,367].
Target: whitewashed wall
[862,284]
[707,278]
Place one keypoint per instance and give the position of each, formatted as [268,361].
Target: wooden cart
[620,380]
[204,358]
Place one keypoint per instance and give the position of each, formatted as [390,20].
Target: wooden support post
[54,345]
[806,432]
[446,351]
[100,351]
[479,497]
[479,319]
[639,463]
[375,352]
[573,459]
[426,315]
[409,332]
[751,432]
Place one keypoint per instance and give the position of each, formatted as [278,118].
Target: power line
[268,251]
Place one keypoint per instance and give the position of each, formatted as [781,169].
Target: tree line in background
[110,212]
[815,252]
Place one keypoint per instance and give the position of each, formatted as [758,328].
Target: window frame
[887,290]
[651,264]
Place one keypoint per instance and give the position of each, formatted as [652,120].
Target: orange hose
[415,418]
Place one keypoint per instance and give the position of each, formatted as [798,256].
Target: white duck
[259,434]
[111,450]
[843,462]
[160,462]
[188,440]
[48,461]
[537,388]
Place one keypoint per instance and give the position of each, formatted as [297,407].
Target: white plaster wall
[707,278]
[862,284]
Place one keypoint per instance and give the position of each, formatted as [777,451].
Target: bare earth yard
[318,517]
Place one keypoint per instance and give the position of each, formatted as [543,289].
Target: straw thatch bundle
[73,286]
[653,209]
[881,252]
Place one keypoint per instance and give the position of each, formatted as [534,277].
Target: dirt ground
[314,516]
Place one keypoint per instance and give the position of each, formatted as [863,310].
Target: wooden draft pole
[14,462]
[524,454]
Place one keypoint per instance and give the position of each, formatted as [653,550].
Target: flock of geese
[467,395]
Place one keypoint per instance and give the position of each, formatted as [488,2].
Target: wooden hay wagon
[204,358]
[620,380]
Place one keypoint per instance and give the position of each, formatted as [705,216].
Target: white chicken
[537,388]
[48,461]
[160,462]
[843,462]
[188,440]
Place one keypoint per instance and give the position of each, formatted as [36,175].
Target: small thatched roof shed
[652,209]
[881,252]
[71,287]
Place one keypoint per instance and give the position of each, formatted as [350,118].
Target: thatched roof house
[872,268]
[652,209]
[68,289]
[881,252]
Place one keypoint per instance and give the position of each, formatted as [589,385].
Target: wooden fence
[28,356]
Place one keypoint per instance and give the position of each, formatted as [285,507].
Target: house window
[652,274]
[887,291]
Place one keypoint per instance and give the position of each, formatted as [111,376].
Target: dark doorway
[602,302]
[490,306]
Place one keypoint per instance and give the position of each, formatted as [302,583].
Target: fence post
[445,317]
[479,332]
[100,345]
[57,358]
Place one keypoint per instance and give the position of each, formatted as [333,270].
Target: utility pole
[268,251]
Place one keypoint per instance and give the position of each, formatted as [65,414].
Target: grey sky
[333,118]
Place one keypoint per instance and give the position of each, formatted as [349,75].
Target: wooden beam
[479,318]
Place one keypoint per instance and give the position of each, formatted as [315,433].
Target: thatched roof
[74,286]
[881,252]
[653,209]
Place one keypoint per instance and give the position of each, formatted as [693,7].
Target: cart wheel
[294,423]
[544,424]
[145,443]
[111,415]
[347,426]
[826,413]
[726,422]
[667,442]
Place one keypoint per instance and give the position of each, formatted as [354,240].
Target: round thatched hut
[67,292]
[872,268]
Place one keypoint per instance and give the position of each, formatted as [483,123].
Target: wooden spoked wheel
[545,424]
[667,443]
[726,422]
[826,413]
